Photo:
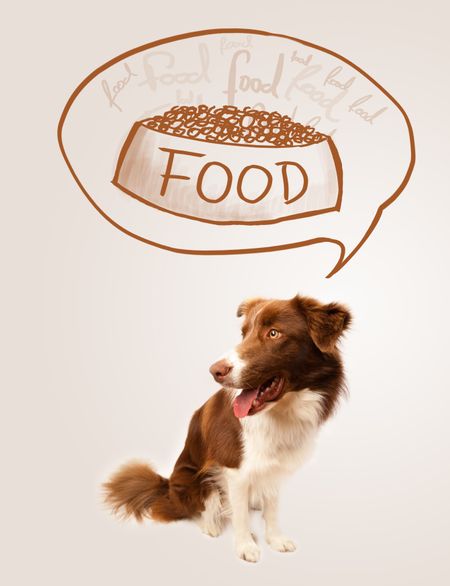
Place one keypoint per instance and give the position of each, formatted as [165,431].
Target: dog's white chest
[279,439]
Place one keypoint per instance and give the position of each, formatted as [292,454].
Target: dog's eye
[273,334]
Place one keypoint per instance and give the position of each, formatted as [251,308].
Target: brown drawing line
[343,260]
[202,174]
[240,181]
[301,193]
[124,150]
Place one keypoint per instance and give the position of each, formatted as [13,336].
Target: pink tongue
[243,402]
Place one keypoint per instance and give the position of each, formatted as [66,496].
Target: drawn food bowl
[229,165]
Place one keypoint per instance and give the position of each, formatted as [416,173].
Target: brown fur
[136,490]
[306,355]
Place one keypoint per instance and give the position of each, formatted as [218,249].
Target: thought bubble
[233,141]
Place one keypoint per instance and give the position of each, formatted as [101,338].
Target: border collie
[278,386]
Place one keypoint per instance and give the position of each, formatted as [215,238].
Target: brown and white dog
[279,385]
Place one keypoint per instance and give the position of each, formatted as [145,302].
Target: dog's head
[286,346]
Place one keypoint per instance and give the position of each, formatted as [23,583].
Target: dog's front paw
[248,551]
[280,543]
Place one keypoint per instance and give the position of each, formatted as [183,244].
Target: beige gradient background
[106,342]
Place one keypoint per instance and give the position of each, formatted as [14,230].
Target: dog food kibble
[230,124]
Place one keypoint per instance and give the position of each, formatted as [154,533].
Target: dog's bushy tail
[136,490]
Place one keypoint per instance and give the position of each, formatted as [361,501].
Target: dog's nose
[220,369]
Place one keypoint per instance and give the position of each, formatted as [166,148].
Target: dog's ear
[326,323]
[247,305]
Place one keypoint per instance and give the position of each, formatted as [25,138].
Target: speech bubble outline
[343,257]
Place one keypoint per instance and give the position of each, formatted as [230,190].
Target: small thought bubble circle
[234,141]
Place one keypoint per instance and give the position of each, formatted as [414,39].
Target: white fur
[277,440]
[275,443]
[211,519]
[237,365]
